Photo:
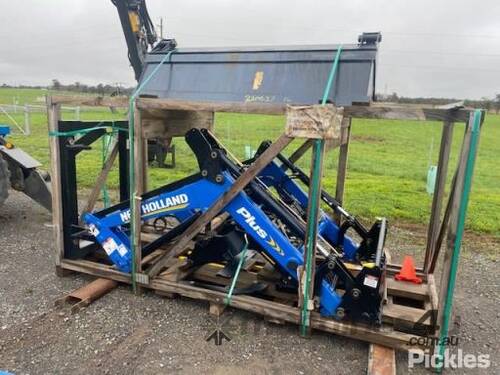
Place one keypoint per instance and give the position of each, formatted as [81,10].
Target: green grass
[387,167]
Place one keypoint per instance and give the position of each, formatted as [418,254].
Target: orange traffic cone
[408,272]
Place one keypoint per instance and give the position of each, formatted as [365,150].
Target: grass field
[387,166]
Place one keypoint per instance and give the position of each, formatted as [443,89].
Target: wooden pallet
[405,304]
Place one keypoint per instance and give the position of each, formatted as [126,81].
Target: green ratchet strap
[243,253]
[331,77]
[316,175]
[131,135]
[71,133]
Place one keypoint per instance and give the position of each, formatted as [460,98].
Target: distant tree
[56,85]
[393,97]
[486,103]
[100,89]
[496,103]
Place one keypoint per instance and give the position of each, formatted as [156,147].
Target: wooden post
[298,153]
[457,228]
[452,226]
[53,117]
[27,119]
[144,159]
[345,136]
[306,285]
[101,179]
[442,170]
[442,229]
[139,190]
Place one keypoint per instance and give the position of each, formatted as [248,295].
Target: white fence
[11,110]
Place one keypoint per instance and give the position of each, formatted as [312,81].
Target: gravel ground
[124,334]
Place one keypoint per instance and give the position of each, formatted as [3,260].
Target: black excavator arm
[138,30]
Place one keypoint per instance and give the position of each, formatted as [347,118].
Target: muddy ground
[127,334]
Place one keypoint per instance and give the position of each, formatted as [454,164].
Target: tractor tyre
[4,180]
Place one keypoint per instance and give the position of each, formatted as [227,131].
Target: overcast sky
[444,48]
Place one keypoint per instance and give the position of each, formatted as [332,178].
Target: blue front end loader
[266,217]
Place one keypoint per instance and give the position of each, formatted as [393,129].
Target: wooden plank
[101,179]
[381,360]
[443,228]
[406,112]
[167,124]
[139,165]
[216,309]
[442,171]
[404,314]
[91,101]
[298,153]
[314,121]
[53,117]
[235,107]
[289,314]
[374,111]
[246,177]
[406,289]
[208,273]
[96,269]
[383,336]
[452,226]
[432,290]
[144,167]
[342,166]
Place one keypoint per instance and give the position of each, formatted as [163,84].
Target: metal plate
[294,74]
[20,157]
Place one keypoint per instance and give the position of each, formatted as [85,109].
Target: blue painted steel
[181,203]
[274,176]
[185,201]
[330,300]
[4,130]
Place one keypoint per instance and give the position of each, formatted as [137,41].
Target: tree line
[101,89]
[489,104]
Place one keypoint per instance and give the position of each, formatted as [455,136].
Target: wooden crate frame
[388,334]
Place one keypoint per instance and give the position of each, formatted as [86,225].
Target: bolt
[356,293]
[340,313]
